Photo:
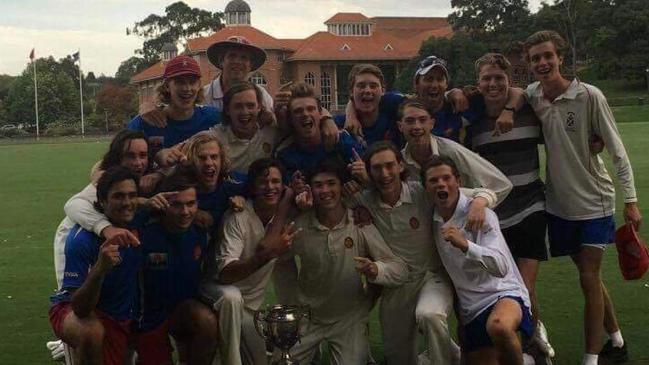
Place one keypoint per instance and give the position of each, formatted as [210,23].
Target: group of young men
[206,199]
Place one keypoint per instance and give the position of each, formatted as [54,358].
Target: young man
[181,92]
[416,125]
[94,308]
[337,261]
[127,149]
[402,213]
[492,315]
[373,113]
[581,205]
[248,247]
[175,258]
[522,213]
[307,148]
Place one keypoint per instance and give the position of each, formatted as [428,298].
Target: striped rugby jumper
[516,155]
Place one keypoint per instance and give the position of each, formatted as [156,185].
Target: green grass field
[38,178]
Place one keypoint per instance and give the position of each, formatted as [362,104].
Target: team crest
[349,242]
[414,223]
[266,147]
[157,260]
[197,252]
[570,122]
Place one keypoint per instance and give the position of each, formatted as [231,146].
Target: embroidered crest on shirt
[349,242]
[158,260]
[414,223]
[570,122]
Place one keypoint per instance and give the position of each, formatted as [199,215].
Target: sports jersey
[218,201]
[487,271]
[515,154]
[119,287]
[171,270]
[385,127]
[176,131]
[243,152]
[578,187]
[295,157]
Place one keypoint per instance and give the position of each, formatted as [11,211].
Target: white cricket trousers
[423,305]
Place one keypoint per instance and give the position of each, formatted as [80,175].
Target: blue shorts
[566,237]
[475,332]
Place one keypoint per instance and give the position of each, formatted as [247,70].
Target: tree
[58,97]
[499,23]
[117,103]
[129,68]
[179,23]
[460,51]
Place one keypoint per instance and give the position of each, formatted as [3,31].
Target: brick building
[322,59]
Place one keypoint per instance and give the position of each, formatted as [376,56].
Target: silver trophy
[279,325]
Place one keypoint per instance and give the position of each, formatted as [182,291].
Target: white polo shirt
[243,152]
[487,271]
[328,281]
[578,187]
[214,95]
[242,232]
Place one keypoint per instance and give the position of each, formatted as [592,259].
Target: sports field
[37,179]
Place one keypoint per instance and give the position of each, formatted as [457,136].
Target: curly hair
[192,147]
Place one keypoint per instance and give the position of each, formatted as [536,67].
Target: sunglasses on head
[431,60]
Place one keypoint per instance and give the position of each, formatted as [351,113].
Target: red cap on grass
[181,66]
[632,253]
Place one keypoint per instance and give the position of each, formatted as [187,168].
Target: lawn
[38,178]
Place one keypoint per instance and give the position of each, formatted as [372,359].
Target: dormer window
[345,47]
[388,47]
[349,29]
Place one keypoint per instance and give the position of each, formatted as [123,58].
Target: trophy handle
[259,326]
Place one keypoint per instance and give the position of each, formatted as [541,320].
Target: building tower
[237,12]
[168,51]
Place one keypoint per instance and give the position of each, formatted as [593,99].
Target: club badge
[414,223]
[158,260]
[349,242]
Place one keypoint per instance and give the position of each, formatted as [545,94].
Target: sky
[98,27]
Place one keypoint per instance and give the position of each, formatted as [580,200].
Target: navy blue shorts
[566,237]
[475,332]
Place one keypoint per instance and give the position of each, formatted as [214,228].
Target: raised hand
[160,201]
[366,267]
[120,236]
[357,168]
[455,236]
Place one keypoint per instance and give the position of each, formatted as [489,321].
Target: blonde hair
[164,96]
[192,147]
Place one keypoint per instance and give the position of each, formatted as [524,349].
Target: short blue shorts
[566,237]
[475,332]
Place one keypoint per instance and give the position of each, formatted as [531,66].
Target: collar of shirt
[571,92]
[405,197]
[461,210]
[315,223]
[215,89]
[407,157]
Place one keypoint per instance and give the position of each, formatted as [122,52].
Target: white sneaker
[540,338]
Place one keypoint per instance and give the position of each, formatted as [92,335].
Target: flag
[75,57]
[31,54]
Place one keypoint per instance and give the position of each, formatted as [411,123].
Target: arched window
[258,79]
[325,90]
[309,78]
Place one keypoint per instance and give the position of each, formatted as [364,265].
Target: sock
[616,339]
[589,359]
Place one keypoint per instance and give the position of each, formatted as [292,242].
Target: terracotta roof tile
[154,72]
[347,18]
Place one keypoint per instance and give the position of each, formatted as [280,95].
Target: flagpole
[81,95]
[36,100]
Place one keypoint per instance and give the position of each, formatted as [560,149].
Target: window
[388,47]
[258,79]
[309,78]
[325,90]
[345,47]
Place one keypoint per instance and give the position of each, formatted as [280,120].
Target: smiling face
[385,172]
[182,210]
[545,62]
[267,188]
[326,188]
[135,156]
[493,84]
[366,93]
[305,117]
[121,202]
[236,65]
[416,125]
[208,164]
[243,110]
[183,91]
[443,188]
[432,85]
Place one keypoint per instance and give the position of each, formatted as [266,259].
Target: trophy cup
[279,325]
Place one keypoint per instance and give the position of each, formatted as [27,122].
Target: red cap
[632,254]
[181,66]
